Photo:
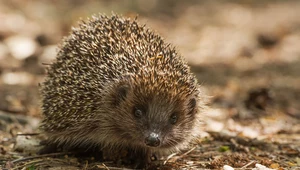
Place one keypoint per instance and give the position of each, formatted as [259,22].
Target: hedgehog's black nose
[152,140]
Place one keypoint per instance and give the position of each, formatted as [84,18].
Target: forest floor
[246,56]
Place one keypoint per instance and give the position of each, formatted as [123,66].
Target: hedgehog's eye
[138,113]
[173,118]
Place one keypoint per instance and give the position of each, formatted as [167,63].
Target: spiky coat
[106,68]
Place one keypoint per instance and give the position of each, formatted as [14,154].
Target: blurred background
[246,55]
[237,45]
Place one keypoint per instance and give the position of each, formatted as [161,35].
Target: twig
[180,156]
[39,156]
[28,163]
[86,164]
[248,164]
[169,157]
[105,166]
[112,168]
[28,134]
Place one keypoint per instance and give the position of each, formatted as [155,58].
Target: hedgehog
[116,84]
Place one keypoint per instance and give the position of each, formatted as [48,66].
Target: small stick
[180,156]
[39,156]
[251,162]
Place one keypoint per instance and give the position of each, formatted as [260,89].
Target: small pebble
[14,78]
[21,47]
[227,167]
[261,167]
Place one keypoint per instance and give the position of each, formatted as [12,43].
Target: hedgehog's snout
[152,140]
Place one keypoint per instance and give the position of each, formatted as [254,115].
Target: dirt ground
[245,54]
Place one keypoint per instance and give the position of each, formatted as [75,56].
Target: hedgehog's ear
[120,93]
[192,105]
